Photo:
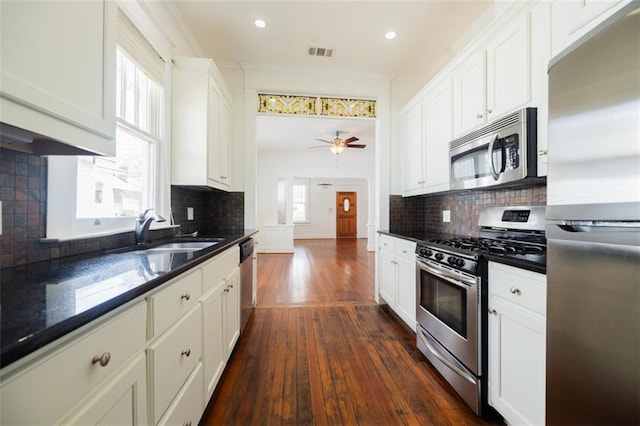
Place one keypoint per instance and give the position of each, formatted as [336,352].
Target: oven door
[447,308]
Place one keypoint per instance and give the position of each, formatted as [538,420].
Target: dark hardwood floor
[319,350]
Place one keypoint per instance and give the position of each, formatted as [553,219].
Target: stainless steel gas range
[452,292]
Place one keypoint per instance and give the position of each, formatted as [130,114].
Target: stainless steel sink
[172,246]
[181,247]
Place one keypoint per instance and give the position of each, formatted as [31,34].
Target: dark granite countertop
[535,266]
[41,302]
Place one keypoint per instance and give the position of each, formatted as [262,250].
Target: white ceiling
[427,32]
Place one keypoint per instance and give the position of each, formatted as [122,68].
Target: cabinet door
[517,347]
[438,123]
[509,69]
[412,150]
[225,143]
[213,133]
[122,401]
[406,307]
[388,279]
[58,70]
[213,345]
[469,94]
[231,311]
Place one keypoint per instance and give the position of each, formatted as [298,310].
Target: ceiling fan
[337,145]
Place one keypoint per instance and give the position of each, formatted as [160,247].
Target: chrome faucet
[143,222]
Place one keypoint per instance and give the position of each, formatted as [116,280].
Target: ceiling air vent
[320,51]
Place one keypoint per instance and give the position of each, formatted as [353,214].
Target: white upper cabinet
[469,93]
[426,129]
[438,124]
[509,69]
[201,126]
[572,19]
[493,81]
[412,150]
[57,74]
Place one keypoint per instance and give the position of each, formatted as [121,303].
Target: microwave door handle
[492,167]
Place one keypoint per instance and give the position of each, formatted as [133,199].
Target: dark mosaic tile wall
[212,210]
[421,215]
[23,192]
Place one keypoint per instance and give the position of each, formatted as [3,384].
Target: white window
[101,195]
[300,201]
[122,186]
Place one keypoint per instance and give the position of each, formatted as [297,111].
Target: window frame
[306,186]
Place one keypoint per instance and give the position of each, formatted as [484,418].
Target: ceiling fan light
[337,148]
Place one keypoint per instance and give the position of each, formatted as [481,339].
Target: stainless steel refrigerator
[593,228]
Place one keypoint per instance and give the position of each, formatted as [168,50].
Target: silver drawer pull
[186,353]
[186,296]
[514,290]
[103,359]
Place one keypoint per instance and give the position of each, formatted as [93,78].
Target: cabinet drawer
[189,404]
[406,249]
[219,267]
[387,242]
[171,302]
[520,286]
[172,358]
[43,393]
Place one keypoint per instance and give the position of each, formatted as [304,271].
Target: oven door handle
[444,360]
[447,276]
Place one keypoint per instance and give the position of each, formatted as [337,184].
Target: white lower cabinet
[172,358]
[231,311]
[396,258]
[154,361]
[122,401]
[59,382]
[188,406]
[517,343]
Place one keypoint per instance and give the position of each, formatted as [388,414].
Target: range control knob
[451,260]
[439,256]
[459,263]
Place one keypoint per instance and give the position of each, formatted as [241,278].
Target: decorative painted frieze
[318,106]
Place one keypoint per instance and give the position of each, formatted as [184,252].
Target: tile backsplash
[23,192]
[421,215]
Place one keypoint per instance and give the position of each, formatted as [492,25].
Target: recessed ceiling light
[260,23]
[390,35]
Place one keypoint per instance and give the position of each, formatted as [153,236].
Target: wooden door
[346,215]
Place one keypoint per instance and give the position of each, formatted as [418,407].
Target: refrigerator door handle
[622,233]
[599,226]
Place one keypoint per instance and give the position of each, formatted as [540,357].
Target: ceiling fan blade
[351,139]
[322,140]
[356,146]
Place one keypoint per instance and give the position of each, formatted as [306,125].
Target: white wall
[374,169]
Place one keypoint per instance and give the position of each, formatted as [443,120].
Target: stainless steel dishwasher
[246,282]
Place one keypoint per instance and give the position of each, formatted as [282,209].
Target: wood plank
[319,350]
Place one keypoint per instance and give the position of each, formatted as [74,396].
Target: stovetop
[510,235]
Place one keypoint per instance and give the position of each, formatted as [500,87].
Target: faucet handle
[144,213]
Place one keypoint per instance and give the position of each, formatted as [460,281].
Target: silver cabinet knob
[514,290]
[542,152]
[185,296]
[493,312]
[186,353]
[479,116]
[226,290]
[103,359]
[489,111]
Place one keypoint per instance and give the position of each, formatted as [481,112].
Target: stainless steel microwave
[501,152]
